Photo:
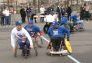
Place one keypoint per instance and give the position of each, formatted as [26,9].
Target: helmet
[19,23]
[54,23]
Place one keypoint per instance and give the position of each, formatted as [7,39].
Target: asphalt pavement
[81,43]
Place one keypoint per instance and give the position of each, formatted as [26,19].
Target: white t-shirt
[6,12]
[55,32]
[14,36]
[49,18]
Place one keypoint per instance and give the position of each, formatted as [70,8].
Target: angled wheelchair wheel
[36,52]
[15,52]
[68,46]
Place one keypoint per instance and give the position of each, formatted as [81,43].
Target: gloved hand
[68,39]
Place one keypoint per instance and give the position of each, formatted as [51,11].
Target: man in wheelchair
[77,24]
[57,36]
[34,31]
[18,37]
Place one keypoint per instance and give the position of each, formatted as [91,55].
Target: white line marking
[45,39]
[72,58]
[69,56]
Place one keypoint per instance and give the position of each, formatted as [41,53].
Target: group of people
[58,27]
[23,35]
[27,12]
[57,31]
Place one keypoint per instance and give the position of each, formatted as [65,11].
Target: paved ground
[81,43]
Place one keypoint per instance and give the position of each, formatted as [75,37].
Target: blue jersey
[32,29]
[59,32]
[64,20]
[74,18]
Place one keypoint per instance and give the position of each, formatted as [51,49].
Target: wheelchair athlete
[77,23]
[57,36]
[19,35]
[34,31]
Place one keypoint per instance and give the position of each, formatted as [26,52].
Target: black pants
[42,18]
[87,15]
[2,20]
[23,19]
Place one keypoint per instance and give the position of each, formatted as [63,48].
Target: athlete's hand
[41,33]
[38,34]
[31,46]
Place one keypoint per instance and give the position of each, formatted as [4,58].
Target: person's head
[55,24]
[19,25]
[6,8]
[85,4]
[42,6]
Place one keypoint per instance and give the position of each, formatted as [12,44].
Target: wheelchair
[22,45]
[57,46]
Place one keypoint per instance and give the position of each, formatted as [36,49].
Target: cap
[54,23]
[18,23]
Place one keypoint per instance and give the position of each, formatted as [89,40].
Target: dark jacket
[22,12]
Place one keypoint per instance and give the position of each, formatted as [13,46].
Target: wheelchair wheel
[15,52]
[25,52]
[68,46]
[36,52]
[35,48]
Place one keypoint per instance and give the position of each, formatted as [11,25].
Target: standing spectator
[42,12]
[69,11]
[87,14]
[49,10]
[63,10]
[82,11]
[23,14]
[28,12]
[6,14]
[59,12]
[2,18]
